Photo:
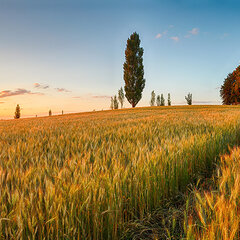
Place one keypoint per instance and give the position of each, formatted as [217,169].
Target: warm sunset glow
[72,57]
[120,119]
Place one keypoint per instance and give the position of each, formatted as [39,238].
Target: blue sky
[69,54]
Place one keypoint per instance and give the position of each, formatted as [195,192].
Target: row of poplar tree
[119,100]
[159,101]
[155,101]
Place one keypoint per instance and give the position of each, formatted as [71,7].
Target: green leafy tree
[17,112]
[162,100]
[169,100]
[112,106]
[133,70]
[121,96]
[189,99]
[50,113]
[115,102]
[153,99]
[158,100]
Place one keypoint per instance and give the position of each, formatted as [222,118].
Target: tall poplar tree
[158,101]
[162,100]
[115,102]
[152,101]
[169,100]
[121,96]
[133,70]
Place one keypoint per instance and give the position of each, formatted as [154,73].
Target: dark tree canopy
[115,102]
[17,112]
[189,98]
[121,96]
[169,100]
[230,90]
[133,70]
[153,97]
[162,100]
[158,101]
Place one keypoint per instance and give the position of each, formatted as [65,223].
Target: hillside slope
[83,176]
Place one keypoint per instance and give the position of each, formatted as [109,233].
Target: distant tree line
[230,90]
[17,114]
[159,101]
[135,82]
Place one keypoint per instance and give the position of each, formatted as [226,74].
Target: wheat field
[84,176]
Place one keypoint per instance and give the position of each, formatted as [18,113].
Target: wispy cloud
[45,86]
[194,31]
[159,35]
[93,96]
[40,86]
[2,102]
[171,26]
[19,91]
[176,39]
[225,35]
[62,90]
[101,96]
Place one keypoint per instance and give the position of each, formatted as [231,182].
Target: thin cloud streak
[94,96]
[176,39]
[19,91]
[194,31]
[159,35]
[40,86]
[100,96]
[62,90]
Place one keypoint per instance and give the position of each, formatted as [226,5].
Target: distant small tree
[50,113]
[121,96]
[112,106]
[158,100]
[62,112]
[17,112]
[115,102]
[189,99]
[153,98]
[169,100]
[162,100]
